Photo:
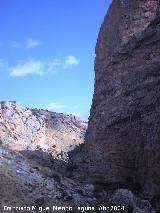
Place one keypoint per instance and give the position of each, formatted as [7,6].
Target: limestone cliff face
[122,142]
[31,129]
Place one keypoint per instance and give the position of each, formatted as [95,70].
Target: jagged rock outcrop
[122,144]
[32,129]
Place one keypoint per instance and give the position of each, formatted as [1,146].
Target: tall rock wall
[122,142]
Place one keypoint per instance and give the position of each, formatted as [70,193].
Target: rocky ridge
[32,129]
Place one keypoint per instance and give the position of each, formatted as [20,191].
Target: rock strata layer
[122,144]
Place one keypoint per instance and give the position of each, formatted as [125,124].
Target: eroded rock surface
[27,183]
[32,129]
[122,144]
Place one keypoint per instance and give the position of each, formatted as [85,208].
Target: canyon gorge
[114,160]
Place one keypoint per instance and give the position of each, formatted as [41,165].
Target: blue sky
[47,52]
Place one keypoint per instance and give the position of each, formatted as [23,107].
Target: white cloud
[54,65]
[71,60]
[32,43]
[30,67]
[43,67]
[55,106]
[62,64]
[65,108]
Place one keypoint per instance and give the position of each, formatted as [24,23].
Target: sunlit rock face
[122,143]
[31,129]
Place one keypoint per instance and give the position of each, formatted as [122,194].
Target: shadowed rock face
[122,142]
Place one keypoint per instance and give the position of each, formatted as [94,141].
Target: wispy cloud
[62,64]
[54,65]
[29,43]
[55,106]
[71,60]
[32,43]
[33,67]
[61,107]
[30,67]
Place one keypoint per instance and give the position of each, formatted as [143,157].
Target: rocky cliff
[121,153]
[32,177]
[122,144]
[32,129]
